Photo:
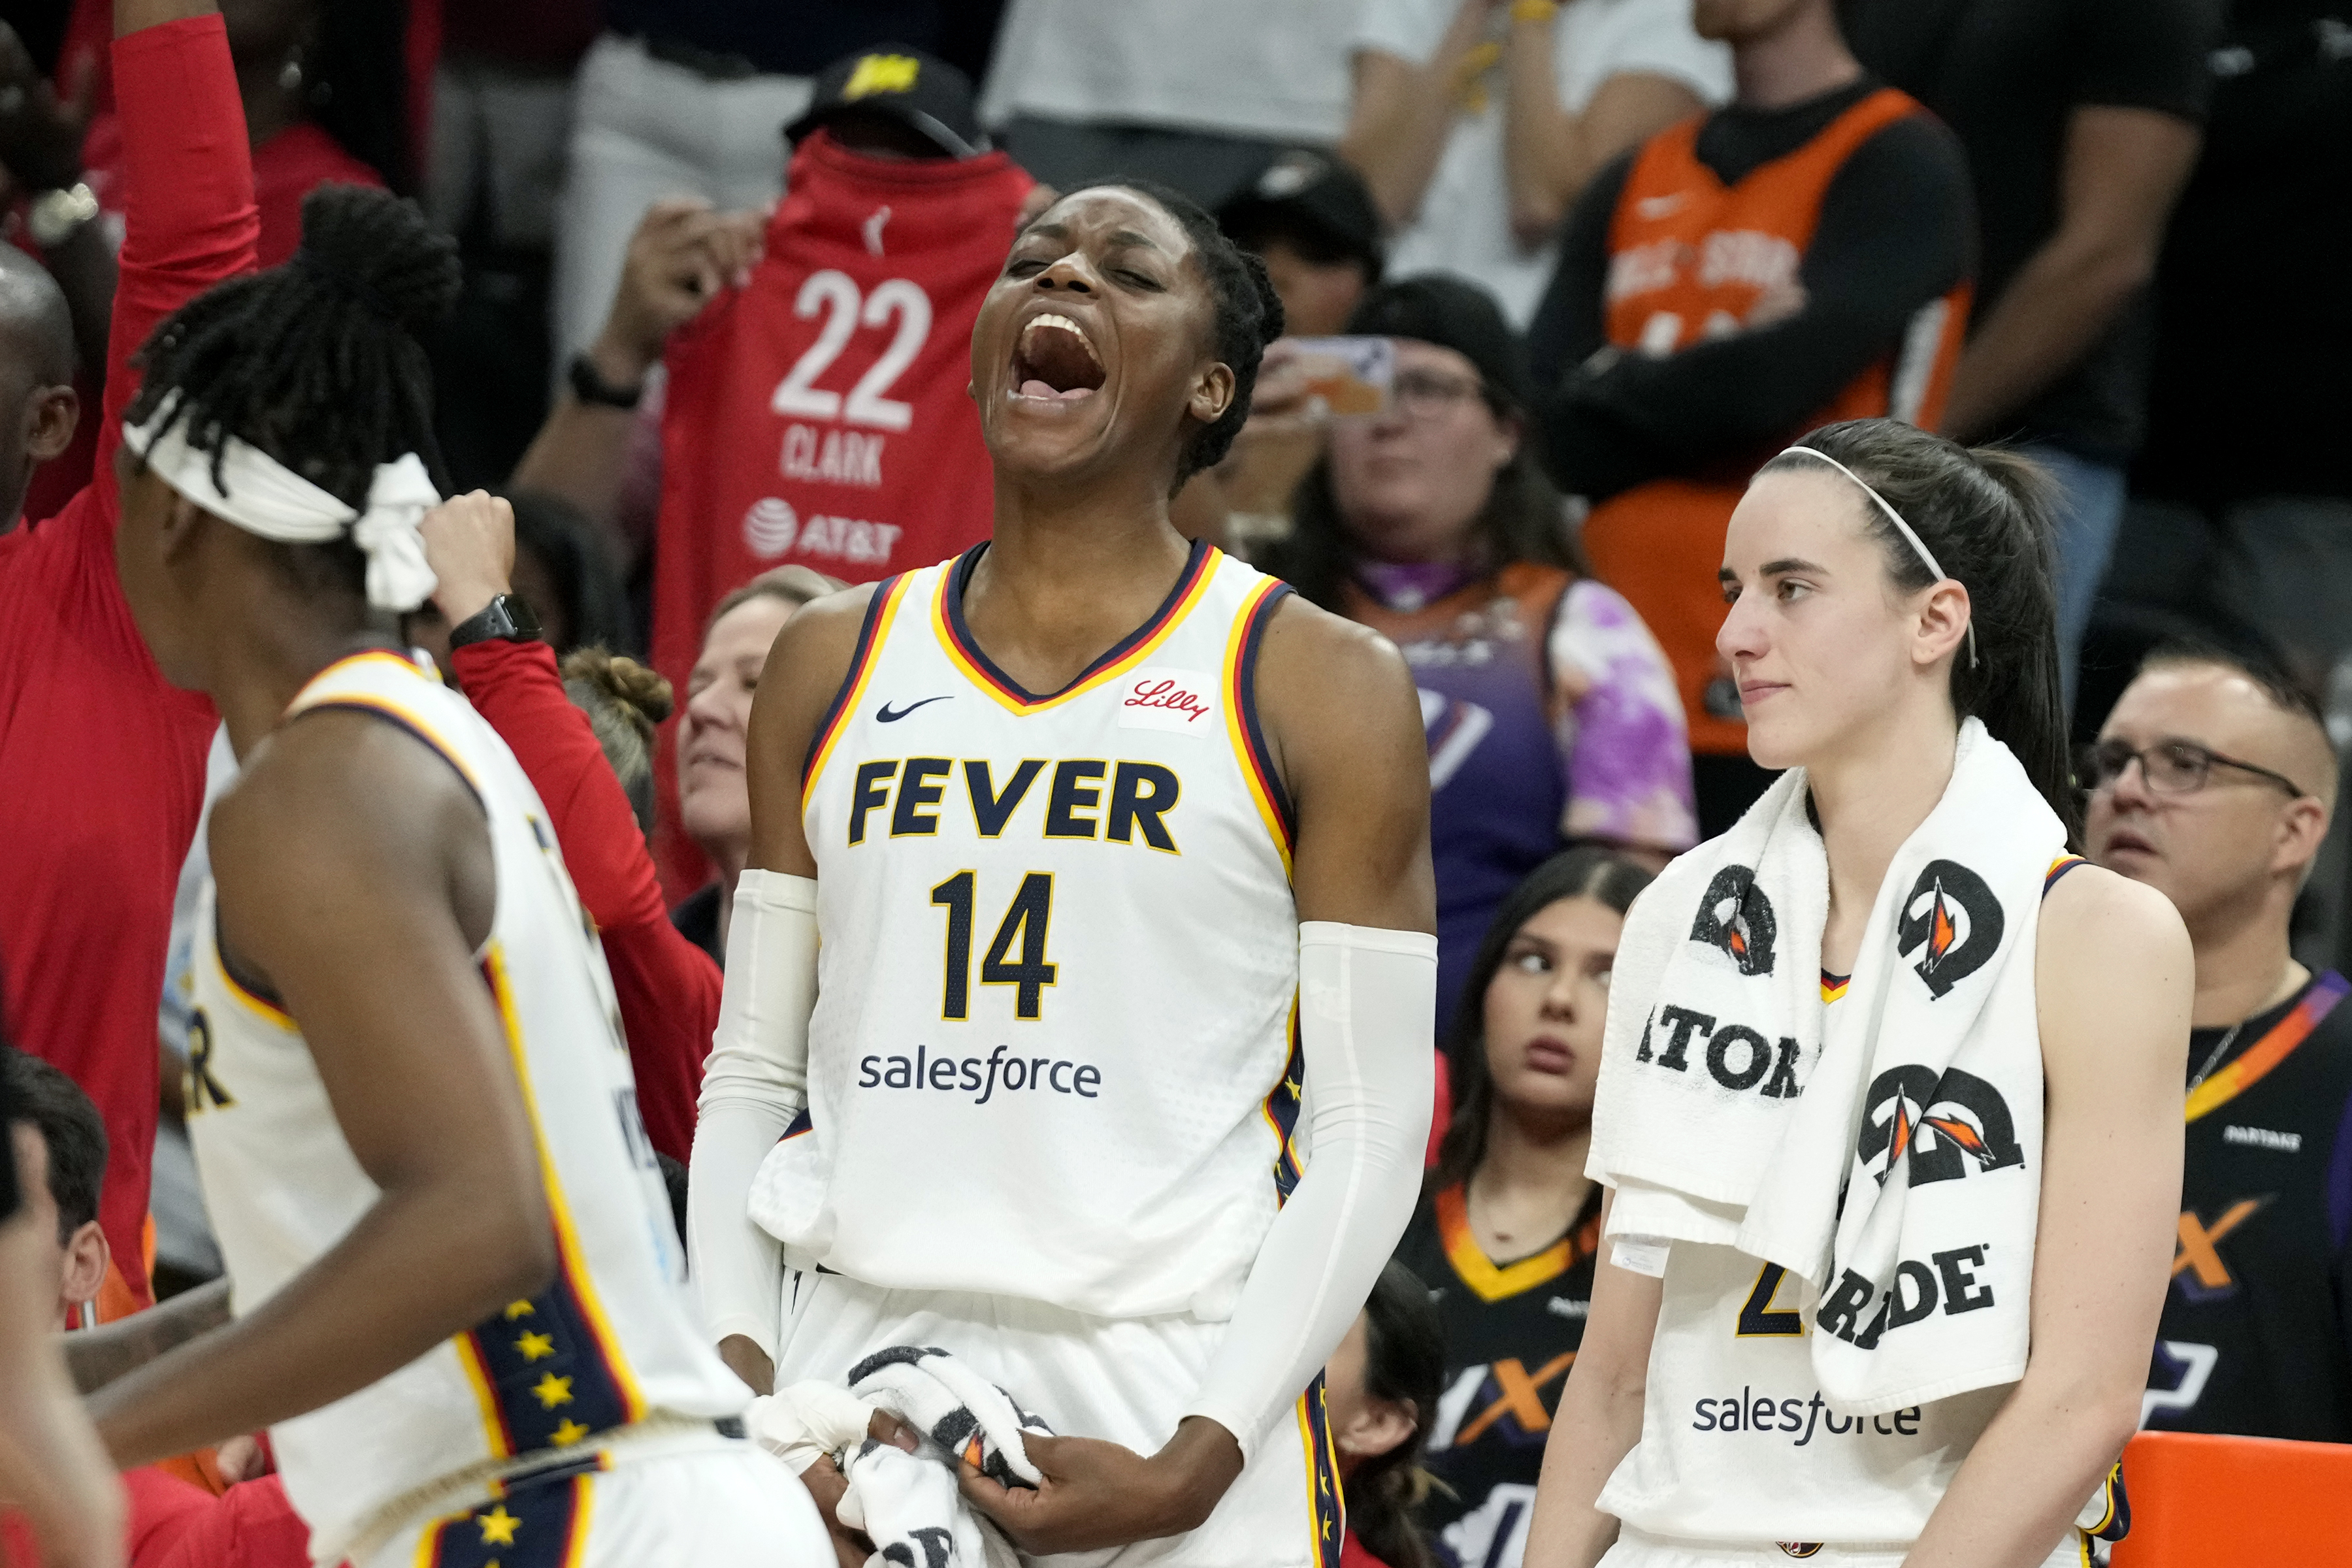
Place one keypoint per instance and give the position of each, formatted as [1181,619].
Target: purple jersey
[1551,715]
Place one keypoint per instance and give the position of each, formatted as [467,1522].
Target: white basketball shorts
[1125,1381]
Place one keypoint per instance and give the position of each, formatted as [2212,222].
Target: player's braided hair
[1249,315]
[315,362]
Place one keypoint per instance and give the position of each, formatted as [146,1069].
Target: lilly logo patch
[1182,701]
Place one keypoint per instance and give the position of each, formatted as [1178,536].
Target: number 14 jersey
[1054,1051]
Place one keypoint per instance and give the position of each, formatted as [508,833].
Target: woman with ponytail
[1889,1109]
[456,1279]
[1382,1387]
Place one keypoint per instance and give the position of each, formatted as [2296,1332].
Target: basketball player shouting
[1113,850]
[460,1303]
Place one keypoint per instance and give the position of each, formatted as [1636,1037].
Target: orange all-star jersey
[1691,258]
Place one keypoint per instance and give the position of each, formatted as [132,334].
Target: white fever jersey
[1053,1054]
[614,1338]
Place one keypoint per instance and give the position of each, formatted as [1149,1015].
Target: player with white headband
[1889,1106]
[460,1308]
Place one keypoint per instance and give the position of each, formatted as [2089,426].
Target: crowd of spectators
[723,261]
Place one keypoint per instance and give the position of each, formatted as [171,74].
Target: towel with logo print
[1886,1151]
[908,1504]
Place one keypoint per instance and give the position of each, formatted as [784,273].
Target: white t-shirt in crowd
[1275,69]
[1464,222]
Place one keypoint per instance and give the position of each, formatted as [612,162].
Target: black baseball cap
[906,84]
[1454,313]
[1313,198]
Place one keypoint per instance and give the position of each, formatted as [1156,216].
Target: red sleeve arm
[189,219]
[667,987]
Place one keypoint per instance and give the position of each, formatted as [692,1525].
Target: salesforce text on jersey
[980,1078]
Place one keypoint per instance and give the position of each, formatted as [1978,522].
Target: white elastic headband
[264,496]
[1918,546]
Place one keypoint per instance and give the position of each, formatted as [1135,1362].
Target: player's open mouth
[1053,360]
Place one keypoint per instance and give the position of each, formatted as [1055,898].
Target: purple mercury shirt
[1551,715]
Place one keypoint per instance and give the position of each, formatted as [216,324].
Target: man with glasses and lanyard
[2212,781]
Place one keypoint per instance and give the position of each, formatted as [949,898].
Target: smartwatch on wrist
[590,387]
[509,615]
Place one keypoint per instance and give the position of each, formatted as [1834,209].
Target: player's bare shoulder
[1331,689]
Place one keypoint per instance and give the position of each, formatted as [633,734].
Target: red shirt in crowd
[101,762]
[668,988]
[162,1510]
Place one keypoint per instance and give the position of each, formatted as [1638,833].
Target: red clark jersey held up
[820,415]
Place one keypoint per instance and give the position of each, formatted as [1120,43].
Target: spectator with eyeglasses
[2212,781]
[1550,710]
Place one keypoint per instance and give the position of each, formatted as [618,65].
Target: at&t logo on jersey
[771,528]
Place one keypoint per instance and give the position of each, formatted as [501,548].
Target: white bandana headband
[264,496]
[1918,546]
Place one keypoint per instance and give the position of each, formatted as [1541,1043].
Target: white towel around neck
[1887,1148]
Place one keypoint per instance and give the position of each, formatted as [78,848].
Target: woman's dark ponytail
[1987,515]
[1404,1363]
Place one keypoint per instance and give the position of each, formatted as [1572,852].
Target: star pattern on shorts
[535,1346]
[571,1432]
[552,1391]
[519,1310]
[498,1526]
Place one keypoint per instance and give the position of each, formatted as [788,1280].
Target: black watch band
[588,386]
[509,615]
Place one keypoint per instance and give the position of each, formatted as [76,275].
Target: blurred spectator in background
[2212,782]
[2247,415]
[501,128]
[583,731]
[1551,713]
[686,97]
[1196,94]
[2080,118]
[1799,257]
[61,1147]
[324,88]
[714,802]
[1380,1392]
[100,754]
[325,96]
[1479,122]
[1510,1226]
[48,1455]
[1310,217]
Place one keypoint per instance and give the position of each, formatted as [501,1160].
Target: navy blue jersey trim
[1245,683]
[960,579]
[857,657]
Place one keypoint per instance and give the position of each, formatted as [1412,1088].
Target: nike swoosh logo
[884,716]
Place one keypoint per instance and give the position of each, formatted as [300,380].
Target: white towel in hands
[1888,1149]
[908,1504]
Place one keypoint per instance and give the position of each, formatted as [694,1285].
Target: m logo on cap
[1737,918]
[1953,914]
[882,73]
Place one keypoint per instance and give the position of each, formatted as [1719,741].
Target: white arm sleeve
[754,1083]
[1368,1005]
